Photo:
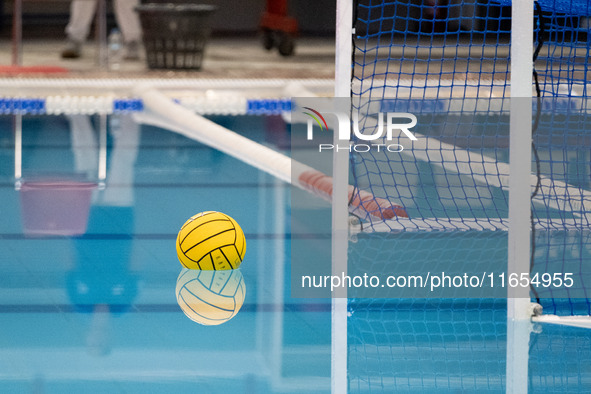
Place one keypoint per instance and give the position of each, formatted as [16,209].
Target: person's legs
[129,24]
[84,144]
[119,183]
[81,15]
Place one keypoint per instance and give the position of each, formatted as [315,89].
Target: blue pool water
[96,312]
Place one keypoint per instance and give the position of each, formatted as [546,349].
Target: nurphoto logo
[380,139]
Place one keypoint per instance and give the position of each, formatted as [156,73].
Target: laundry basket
[175,35]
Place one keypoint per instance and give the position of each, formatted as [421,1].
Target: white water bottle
[115,49]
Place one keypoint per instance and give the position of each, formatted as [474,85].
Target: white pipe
[161,111]
[166,114]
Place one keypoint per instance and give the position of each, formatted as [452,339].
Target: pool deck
[226,57]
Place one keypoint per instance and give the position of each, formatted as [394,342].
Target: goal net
[449,65]
[448,62]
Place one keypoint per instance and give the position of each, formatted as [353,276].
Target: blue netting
[448,63]
[418,346]
[427,346]
[562,31]
[419,56]
[563,146]
[429,50]
[433,59]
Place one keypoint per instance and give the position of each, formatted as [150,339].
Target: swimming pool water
[97,313]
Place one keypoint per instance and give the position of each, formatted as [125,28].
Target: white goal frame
[340,202]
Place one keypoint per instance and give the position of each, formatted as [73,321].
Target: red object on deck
[278,27]
[276,17]
[15,70]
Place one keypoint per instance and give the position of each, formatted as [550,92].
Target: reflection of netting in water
[454,346]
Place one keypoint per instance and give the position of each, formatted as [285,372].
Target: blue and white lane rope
[57,105]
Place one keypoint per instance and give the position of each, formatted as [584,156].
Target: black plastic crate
[175,35]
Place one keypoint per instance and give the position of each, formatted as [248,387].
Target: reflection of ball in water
[211,241]
[210,297]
